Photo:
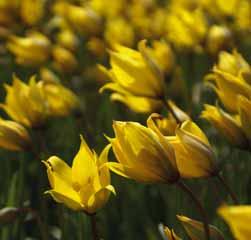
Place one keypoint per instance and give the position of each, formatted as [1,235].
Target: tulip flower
[63,59]
[26,103]
[218,38]
[61,100]
[86,185]
[13,136]
[194,155]
[32,50]
[135,76]
[229,126]
[195,229]
[228,87]
[68,39]
[142,154]
[245,115]
[167,233]
[32,11]
[238,219]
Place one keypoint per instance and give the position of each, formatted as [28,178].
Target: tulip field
[125,119]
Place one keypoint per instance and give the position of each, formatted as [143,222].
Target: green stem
[202,211]
[228,189]
[94,227]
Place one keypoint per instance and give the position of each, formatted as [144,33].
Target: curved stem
[228,189]
[94,227]
[187,190]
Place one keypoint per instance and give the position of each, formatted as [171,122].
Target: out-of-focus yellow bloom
[34,49]
[86,185]
[48,76]
[238,219]
[195,229]
[134,74]
[245,115]
[26,103]
[64,60]
[32,11]
[61,100]
[113,32]
[97,47]
[142,154]
[108,9]
[243,16]
[169,234]
[83,19]
[13,136]
[229,126]
[228,87]
[163,55]
[186,28]
[194,155]
[218,38]
[67,39]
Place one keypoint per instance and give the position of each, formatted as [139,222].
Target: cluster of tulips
[51,38]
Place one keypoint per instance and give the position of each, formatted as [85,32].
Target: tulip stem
[169,108]
[228,189]
[94,227]
[187,190]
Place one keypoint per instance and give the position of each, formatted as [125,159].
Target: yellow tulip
[142,154]
[46,75]
[61,100]
[67,39]
[245,115]
[13,136]
[228,87]
[26,103]
[64,60]
[186,28]
[194,155]
[134,73]
[32,50]
[218,38]
[113,32]
[83,19]
[163,55]
[232,63]
[168,234]
[195,229]
[238,218]
[86,185]
[32,11]
[229,126]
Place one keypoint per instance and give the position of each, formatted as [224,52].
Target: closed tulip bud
[168,234]
[218,38]
[86,185]
[113,32]
[32,50]
[67,39]
[163,55]
[64,60]
[32,11]
[195,229]
[134,73]
[83,19]
[229,126]
[245,115]
[194,155]
[26,103]
[61,100]
[238,219]
[97,47]
[13,136]
[142,154]
[228,87]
